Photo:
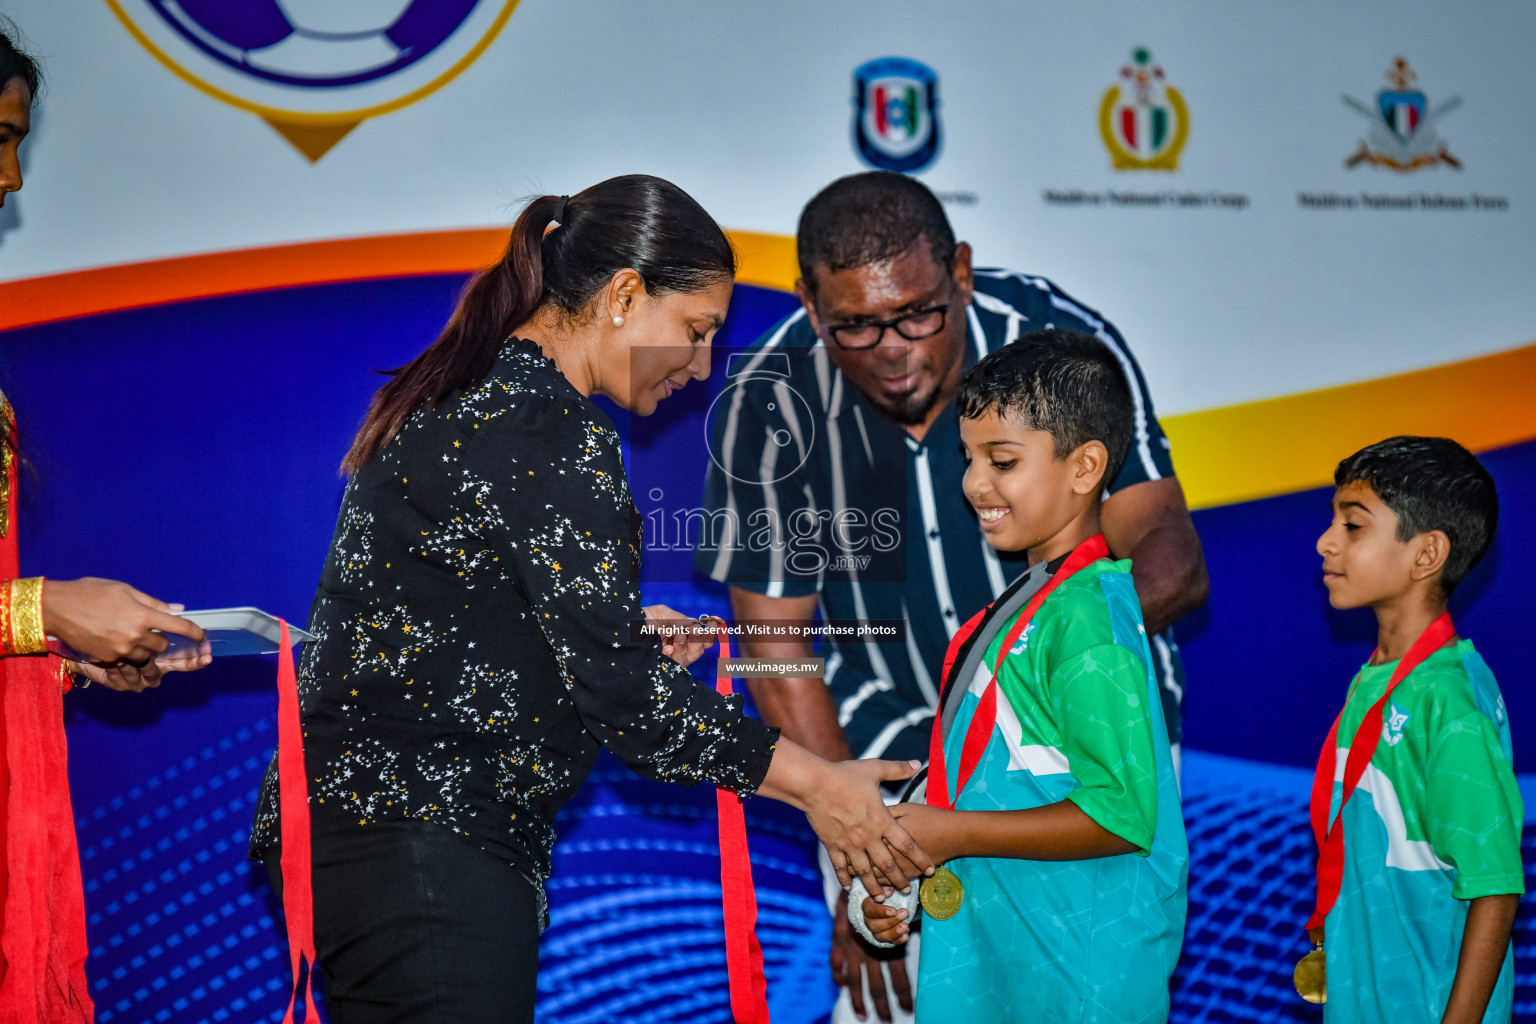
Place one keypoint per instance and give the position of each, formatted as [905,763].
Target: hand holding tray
[234,631]
[231,631]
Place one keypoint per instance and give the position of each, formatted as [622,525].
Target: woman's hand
[137,678]
[684,640]
[109,622]
[886,924]
[858,830]
[842,803]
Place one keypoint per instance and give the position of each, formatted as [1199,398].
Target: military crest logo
[896,114]
[1403,135]
[1143,119]
[315,69]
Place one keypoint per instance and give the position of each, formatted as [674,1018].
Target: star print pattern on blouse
[473,623]
[353,544]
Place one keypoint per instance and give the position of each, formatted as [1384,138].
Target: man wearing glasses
[839,485]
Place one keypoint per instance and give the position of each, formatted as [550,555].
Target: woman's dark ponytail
[497,299]
[635,221]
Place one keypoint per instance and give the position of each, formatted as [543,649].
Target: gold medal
[1311,976]
[940,894]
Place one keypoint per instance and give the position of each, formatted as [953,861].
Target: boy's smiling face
[1364,563]
[1023,495]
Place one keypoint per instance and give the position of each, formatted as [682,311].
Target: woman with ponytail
[474,617]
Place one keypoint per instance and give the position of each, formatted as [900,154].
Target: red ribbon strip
[293,796]
[743,953]
[1330,840]
[979,733]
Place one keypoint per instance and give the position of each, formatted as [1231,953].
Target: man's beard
[912,408]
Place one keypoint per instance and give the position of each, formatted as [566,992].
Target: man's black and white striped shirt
[821,493]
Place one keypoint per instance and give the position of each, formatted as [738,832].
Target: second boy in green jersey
[1429,874]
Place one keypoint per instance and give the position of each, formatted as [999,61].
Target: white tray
[236,631]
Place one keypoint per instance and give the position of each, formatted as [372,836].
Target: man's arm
[1150,524]
[1484,941]
[801,708]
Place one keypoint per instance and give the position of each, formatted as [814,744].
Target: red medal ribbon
[1330,840]
[743,953]
[293,802]
[979,732]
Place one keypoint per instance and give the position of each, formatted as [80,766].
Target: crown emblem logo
[1403,134]
[1145,124]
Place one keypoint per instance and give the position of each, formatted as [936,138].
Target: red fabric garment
[42,930]
[43,935]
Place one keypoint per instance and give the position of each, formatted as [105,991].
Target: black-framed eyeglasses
[914,326]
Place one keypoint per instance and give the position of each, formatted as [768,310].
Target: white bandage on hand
[857,894]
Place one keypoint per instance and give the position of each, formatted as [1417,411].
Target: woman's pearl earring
[618,321]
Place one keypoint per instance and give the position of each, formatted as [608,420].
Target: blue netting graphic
[180,928]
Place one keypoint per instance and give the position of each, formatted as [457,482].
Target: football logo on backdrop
[315,69]
[1143,120]
[1402,135]
[896,120]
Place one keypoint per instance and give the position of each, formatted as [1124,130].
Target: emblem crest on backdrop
[896,118]
[1403,135]
[315,69]
[1142,119]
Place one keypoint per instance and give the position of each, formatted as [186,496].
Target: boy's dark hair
[1066,383]
[16,62]
[1431,483]
[865,218]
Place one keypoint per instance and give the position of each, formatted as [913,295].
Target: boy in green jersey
[1420,930]
[1051,796]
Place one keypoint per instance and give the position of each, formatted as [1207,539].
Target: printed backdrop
[1314,225]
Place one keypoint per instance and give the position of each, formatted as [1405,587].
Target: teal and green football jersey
[1434,822]
[1078,718]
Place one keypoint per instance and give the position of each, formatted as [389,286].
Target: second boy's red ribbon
[1330,836]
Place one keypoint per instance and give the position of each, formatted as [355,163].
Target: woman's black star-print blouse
[473,624]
